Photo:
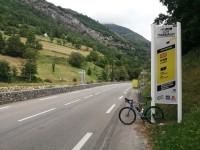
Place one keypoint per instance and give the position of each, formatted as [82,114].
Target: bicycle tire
[127,115]
[154,115]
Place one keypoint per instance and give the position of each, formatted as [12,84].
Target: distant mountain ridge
[129,35]
[66,26]
[85,25]
[76,22]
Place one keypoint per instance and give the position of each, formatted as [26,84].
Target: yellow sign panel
[166,60]
[135,83]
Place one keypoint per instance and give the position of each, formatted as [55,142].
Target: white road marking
[121,97]
[74,92]
[42,99]
[88,96]
[110,109]
[82,141]
[98,93]
[72,102]
[4,107]
[125,92]
[37,114]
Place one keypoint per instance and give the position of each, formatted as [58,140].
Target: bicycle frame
[136,110]
[152,114]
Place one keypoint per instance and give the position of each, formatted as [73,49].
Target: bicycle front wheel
[127,115]
[154,115]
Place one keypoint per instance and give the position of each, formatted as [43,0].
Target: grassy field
[63,70]
[54,48]
[185,135]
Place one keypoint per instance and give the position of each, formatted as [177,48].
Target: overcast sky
[137,15]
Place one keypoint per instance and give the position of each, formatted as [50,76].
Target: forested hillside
[29,27]
[134,38]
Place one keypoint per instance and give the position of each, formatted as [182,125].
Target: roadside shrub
[76,60]
[48,80]
[29,70]
[5,71]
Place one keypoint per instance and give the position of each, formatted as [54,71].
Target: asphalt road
[81,119]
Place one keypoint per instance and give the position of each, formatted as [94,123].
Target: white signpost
[166,76]
[82,72]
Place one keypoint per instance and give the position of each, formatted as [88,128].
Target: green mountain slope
[73,31]
[129,35]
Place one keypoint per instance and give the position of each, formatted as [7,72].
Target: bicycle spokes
[127,115]
[154,115]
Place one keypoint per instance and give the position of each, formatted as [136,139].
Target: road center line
[121,97]
[4,107]
[88,96]
[36,114]
[82,141]
[72,102]
[74,92]
[42,99]
[110,109]
[98,93]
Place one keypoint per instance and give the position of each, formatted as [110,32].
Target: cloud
[137,15]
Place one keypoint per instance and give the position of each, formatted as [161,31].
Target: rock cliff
[61,16]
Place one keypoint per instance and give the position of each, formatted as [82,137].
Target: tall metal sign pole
[166,76]
[179,72]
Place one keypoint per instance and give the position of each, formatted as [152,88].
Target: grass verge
[185,135]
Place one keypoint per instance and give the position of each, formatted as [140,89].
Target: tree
[59,41]
[32,42]
[76,59]
[122,74]
[30,54]
[15,47]
[134,73]
[101,61]
[93,56]
[24,30]
[53,65]
[29,70]
[2,43]
[105,74]
[89,72]
[51,38]
[14,71]
[5,71]
[186,12]
[10,31]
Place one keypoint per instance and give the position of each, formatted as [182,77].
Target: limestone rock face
[70,22]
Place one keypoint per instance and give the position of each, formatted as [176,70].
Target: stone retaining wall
[10,97]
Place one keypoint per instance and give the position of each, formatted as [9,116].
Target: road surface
[82,119]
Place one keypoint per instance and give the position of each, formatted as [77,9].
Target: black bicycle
[152,114]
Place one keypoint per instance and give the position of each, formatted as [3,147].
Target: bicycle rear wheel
[127,115]
[154,115]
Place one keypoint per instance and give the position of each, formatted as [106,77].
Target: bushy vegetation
[179,136]
[5,71]
[186,12]
[76,60]
[18,19]
[135,39]
[185,135]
